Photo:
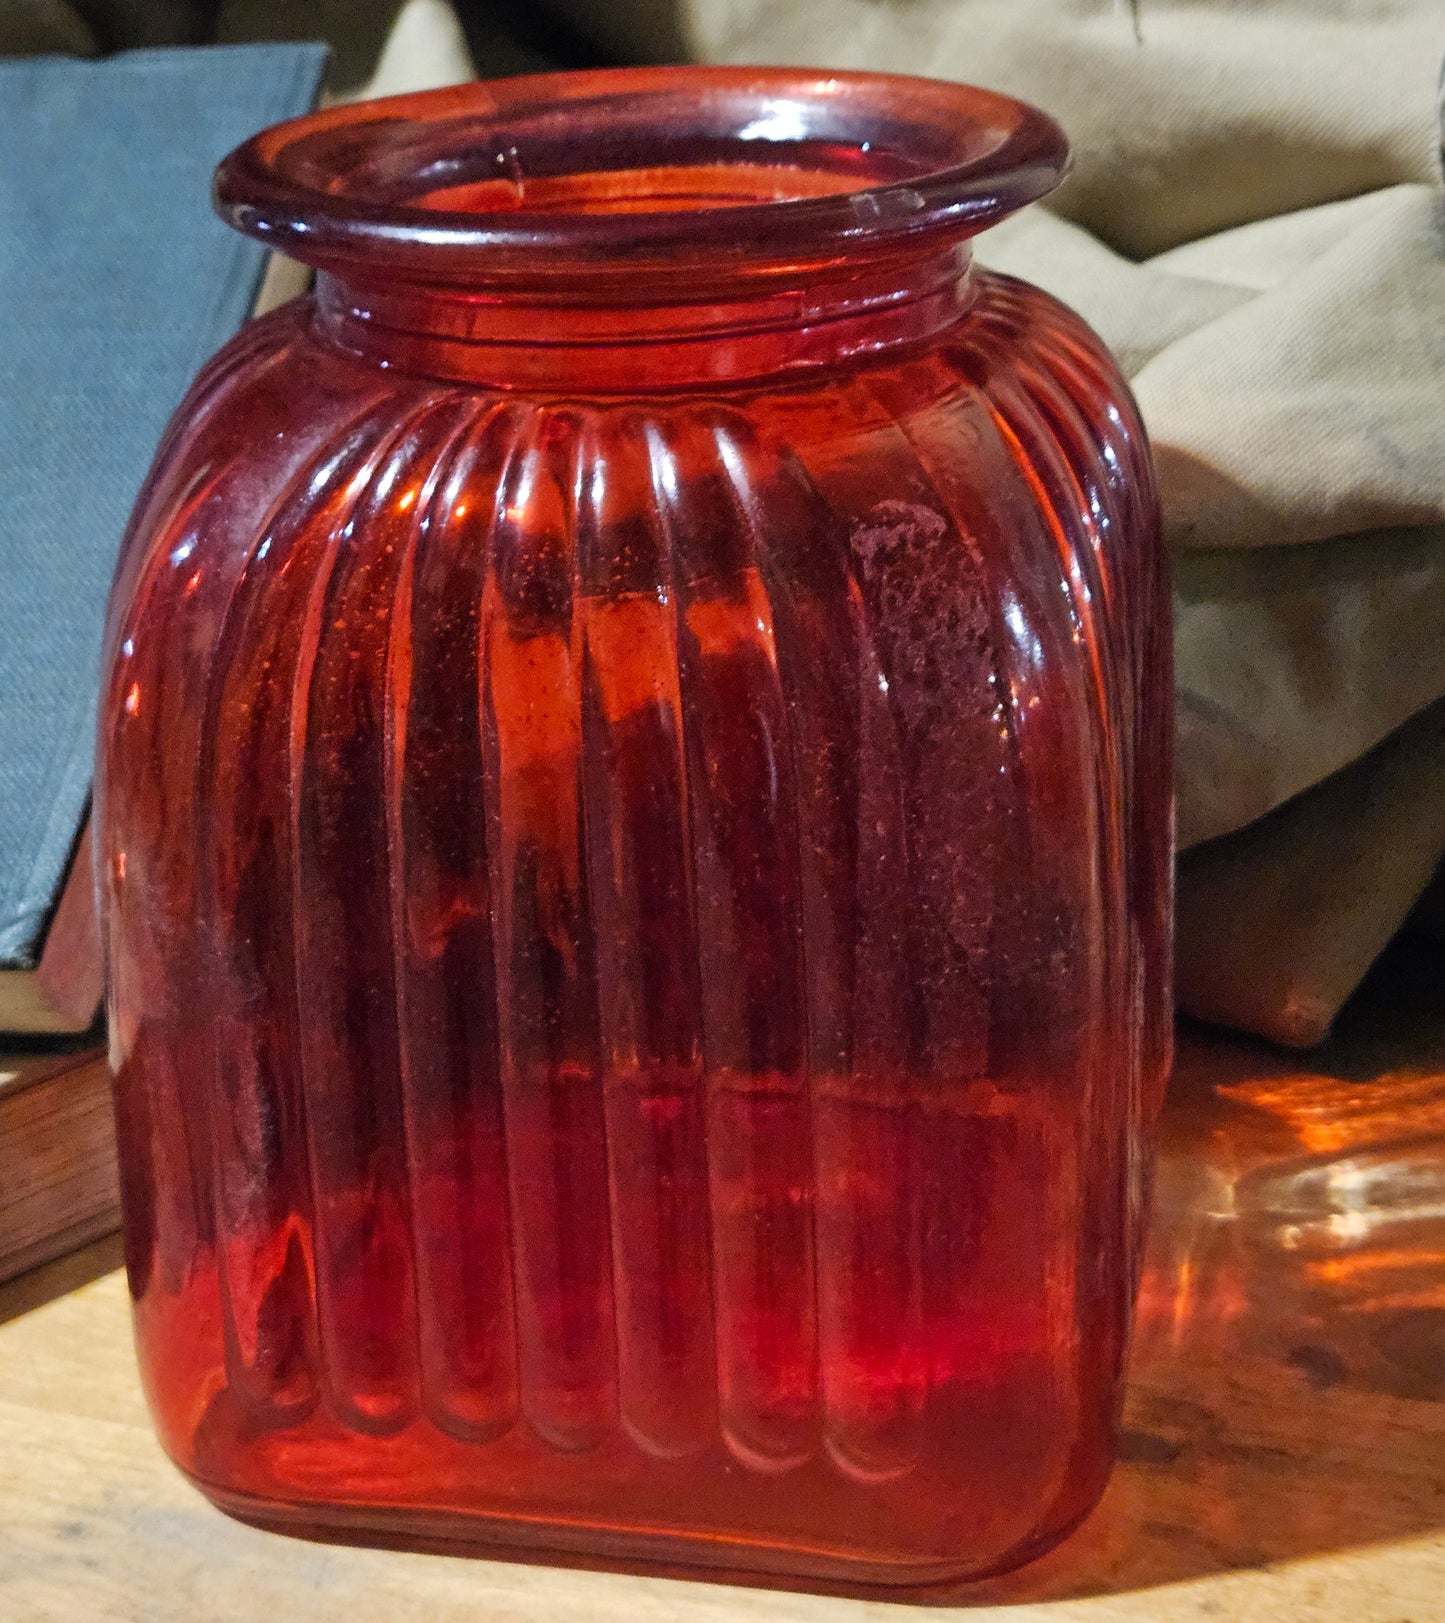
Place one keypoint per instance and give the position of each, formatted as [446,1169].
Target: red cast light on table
[633,816]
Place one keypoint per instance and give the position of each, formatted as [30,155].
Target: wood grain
[1284,1437]
[59,1185]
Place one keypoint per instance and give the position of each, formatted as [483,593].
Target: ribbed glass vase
[634,828]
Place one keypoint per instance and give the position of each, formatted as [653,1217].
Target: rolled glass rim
[834,169]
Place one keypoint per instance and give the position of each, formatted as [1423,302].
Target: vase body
[637,907]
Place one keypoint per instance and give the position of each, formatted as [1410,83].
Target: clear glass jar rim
[829,167]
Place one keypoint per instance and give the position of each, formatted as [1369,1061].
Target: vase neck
[611,342]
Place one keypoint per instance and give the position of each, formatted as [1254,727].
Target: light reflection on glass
[1287,1383]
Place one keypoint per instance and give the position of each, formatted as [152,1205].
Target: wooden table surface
[1284,1445]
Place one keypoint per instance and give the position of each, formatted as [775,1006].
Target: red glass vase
[633,812]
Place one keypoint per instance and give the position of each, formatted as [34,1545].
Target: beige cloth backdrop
[1254,223]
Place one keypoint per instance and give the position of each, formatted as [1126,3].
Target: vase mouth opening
[640,179]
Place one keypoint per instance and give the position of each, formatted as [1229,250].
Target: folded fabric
[388,48]
[1292,374]
[1186,116]
[1254,224]
[1278,923]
